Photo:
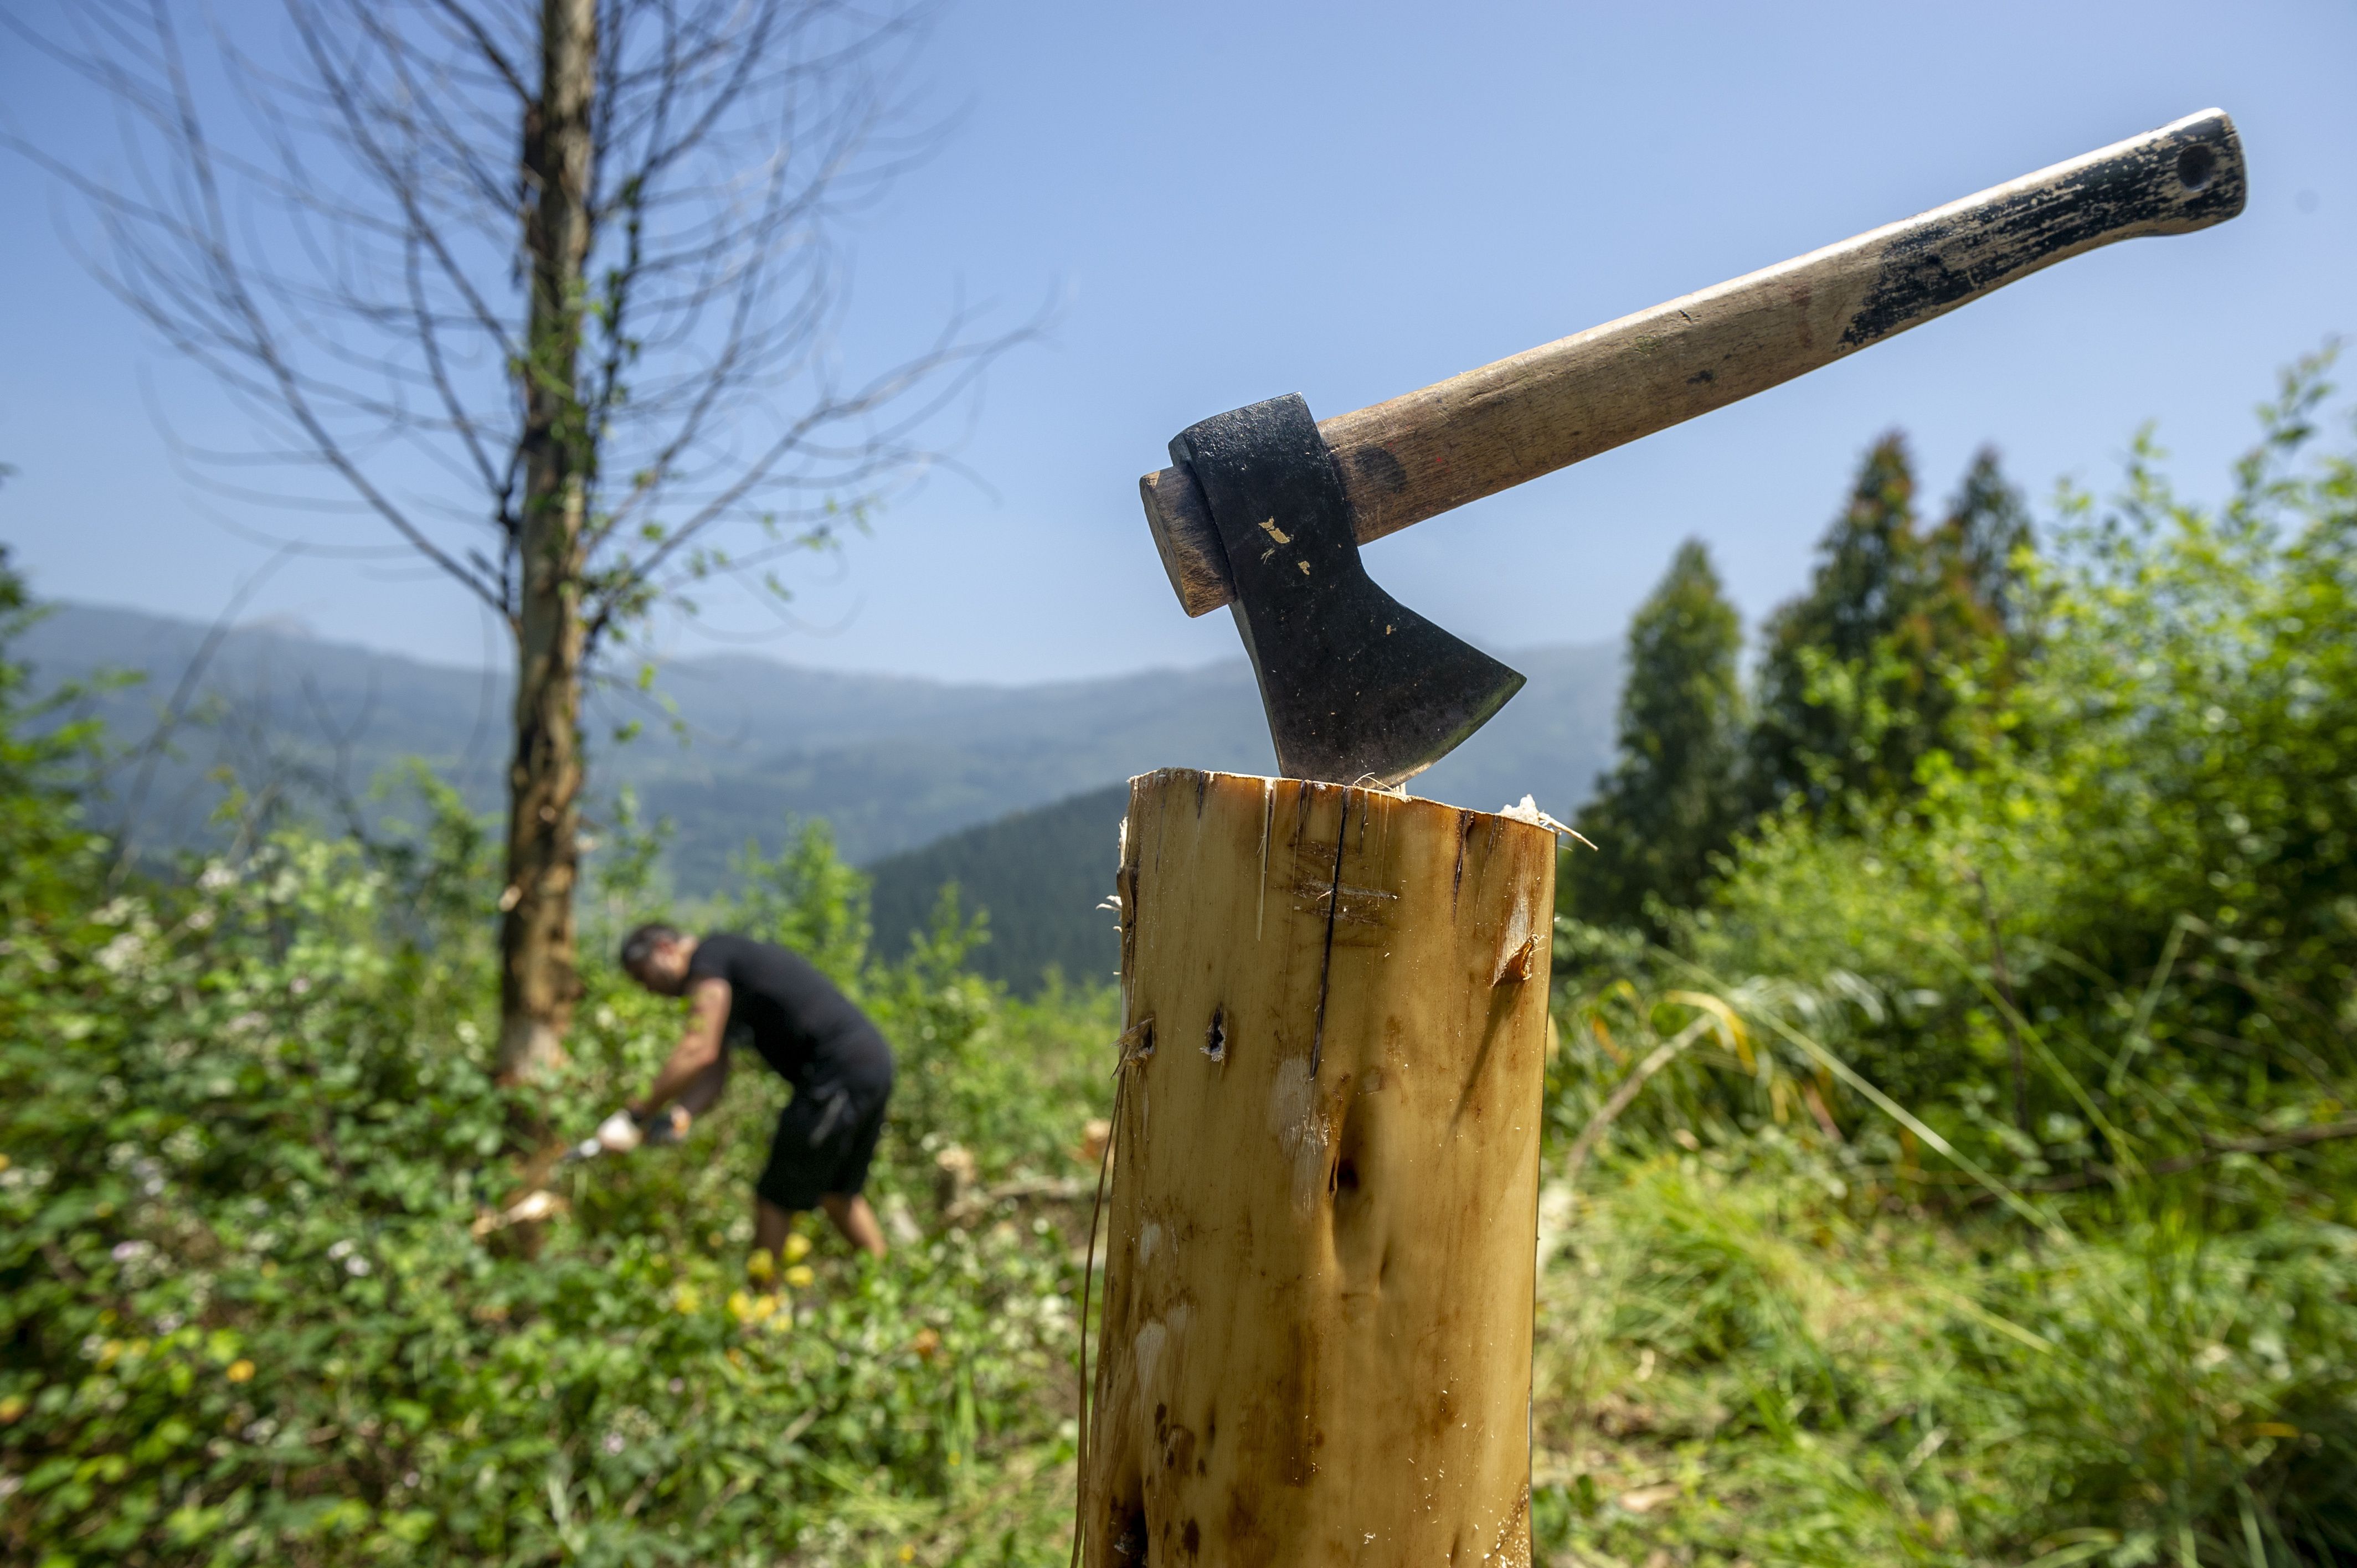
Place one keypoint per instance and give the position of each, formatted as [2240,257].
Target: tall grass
[1772,1338]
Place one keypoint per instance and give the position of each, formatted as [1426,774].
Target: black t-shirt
[800,1023]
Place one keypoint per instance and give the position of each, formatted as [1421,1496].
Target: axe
[1264,509]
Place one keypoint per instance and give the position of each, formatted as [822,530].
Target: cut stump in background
[1316,1345]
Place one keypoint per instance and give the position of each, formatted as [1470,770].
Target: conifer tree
[1980,542]
[1671,800]
[1807,736]
[1856,679]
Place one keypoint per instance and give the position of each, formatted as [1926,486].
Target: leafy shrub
[251,1312]
[2157,863]
[1988,1200]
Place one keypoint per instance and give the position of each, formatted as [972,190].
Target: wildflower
[241,1370]
[120,954]
[613,1444]
[750,1310]
[800,1276]
[356,1267]
[11,1409]
[797,1248]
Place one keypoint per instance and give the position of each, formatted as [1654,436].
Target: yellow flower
[684,1300]
[241,1370]
[11,1408]
[800,1276]
[3,1162]
[762,1267]
[908,1554]
[750,1310]
[797,1248]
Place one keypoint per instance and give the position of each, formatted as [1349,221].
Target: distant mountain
[892,762]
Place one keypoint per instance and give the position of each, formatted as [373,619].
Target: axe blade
[1357,688]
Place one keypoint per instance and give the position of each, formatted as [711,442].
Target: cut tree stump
[1315,1346]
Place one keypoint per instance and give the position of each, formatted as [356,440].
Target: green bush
[1991,1199]
[2149,852]
[252,1312]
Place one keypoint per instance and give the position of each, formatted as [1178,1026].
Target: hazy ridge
[895,763]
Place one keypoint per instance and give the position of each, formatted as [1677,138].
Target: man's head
[656,955]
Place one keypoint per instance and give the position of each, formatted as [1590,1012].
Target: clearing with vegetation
[1951,1164]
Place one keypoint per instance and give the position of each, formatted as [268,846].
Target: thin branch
[472,26]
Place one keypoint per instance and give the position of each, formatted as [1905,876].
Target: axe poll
[1264,508]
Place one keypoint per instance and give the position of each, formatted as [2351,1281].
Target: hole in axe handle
[2195,164]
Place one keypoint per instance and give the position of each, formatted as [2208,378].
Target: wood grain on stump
[1317,1331]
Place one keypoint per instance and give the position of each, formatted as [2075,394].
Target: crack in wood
[1333,908]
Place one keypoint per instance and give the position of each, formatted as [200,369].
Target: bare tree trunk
[537,980]
[1320,1267]
[598,406]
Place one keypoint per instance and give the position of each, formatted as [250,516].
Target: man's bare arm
[697,1049]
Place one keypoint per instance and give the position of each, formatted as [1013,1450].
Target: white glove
[619,1134]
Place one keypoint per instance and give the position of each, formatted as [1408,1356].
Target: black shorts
[826,1138]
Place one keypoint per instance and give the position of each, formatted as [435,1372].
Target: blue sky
[1233,200]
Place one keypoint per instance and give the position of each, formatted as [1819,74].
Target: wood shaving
[1528,812]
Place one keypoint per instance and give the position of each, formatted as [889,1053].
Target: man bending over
[810,1032]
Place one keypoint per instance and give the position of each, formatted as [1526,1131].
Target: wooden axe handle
[1490,429]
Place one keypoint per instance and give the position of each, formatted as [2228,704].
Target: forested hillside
[1042,877]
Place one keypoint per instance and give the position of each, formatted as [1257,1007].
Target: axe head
[1357,688]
